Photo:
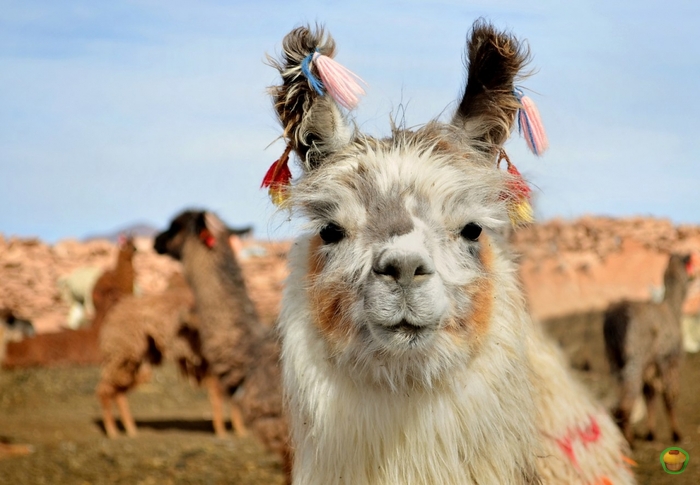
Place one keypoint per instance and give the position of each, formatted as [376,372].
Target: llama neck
[217,282]
[674,295]
[461,432]
[124,271]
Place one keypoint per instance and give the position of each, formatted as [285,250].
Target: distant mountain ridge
[145,229]
[138,229]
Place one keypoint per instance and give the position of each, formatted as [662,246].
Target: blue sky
[117,112]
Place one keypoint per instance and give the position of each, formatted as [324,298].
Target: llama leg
[217,403]
[631,387]
[127,418]
[670,375]
[107,415]
[649,393]
[237,420]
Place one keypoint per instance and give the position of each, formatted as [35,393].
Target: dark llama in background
[644,344]
[209,326]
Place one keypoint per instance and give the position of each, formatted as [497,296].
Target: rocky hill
[566,267]
[584,265]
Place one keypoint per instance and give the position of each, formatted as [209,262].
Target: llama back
[140,318]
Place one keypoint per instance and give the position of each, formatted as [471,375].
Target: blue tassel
[315,83]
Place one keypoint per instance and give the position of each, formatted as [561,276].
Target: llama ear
[210,229]
[215,225]
[313,123]
[488,108]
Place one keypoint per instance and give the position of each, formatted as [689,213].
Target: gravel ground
[55,411]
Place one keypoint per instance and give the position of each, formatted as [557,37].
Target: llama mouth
[408,332]
[406,328]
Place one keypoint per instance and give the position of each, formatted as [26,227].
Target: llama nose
[404,267]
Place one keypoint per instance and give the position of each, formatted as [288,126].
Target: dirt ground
[55,410]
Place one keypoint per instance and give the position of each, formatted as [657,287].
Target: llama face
[172,240]
[400,259]
[400,271]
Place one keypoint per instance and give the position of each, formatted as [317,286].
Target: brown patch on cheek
[316,261]
[330,304]
[475,323]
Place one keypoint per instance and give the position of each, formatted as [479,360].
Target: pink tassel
[342,84]
[530,125]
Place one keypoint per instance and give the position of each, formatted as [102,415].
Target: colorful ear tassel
[518,194]
[342,84]
[278,178]
[530,124]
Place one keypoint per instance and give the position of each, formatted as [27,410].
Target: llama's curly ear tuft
[314,126]
[489,105]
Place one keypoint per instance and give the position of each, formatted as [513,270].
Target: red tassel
[518,194]
[207,238]
[692,265]
[278,178]
[517,185]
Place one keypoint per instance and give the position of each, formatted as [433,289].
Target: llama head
[205,227]
[126,246]
[680,270]
[401,268]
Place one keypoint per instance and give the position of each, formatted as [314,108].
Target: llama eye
[471,231]
[332,233]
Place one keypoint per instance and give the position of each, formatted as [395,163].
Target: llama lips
[409,331]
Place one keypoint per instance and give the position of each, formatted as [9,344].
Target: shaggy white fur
[408,355]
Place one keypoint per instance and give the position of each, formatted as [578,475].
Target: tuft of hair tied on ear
[530,124]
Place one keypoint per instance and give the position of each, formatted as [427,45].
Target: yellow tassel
[278,195]
[520,212]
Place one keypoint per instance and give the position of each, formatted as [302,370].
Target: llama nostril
[389,270]
[404,268]
[422,270]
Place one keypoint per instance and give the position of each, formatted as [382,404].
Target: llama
[227,319]
[76,291]
[13,329]
[643,342]
[116,282]
[211,331]
[408,356]
[239,352]
[143,330]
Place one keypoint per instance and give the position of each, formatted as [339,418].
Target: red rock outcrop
[566,267]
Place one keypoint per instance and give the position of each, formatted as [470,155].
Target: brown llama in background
[643,343]
[116,282]
[139,331]
[78,347]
